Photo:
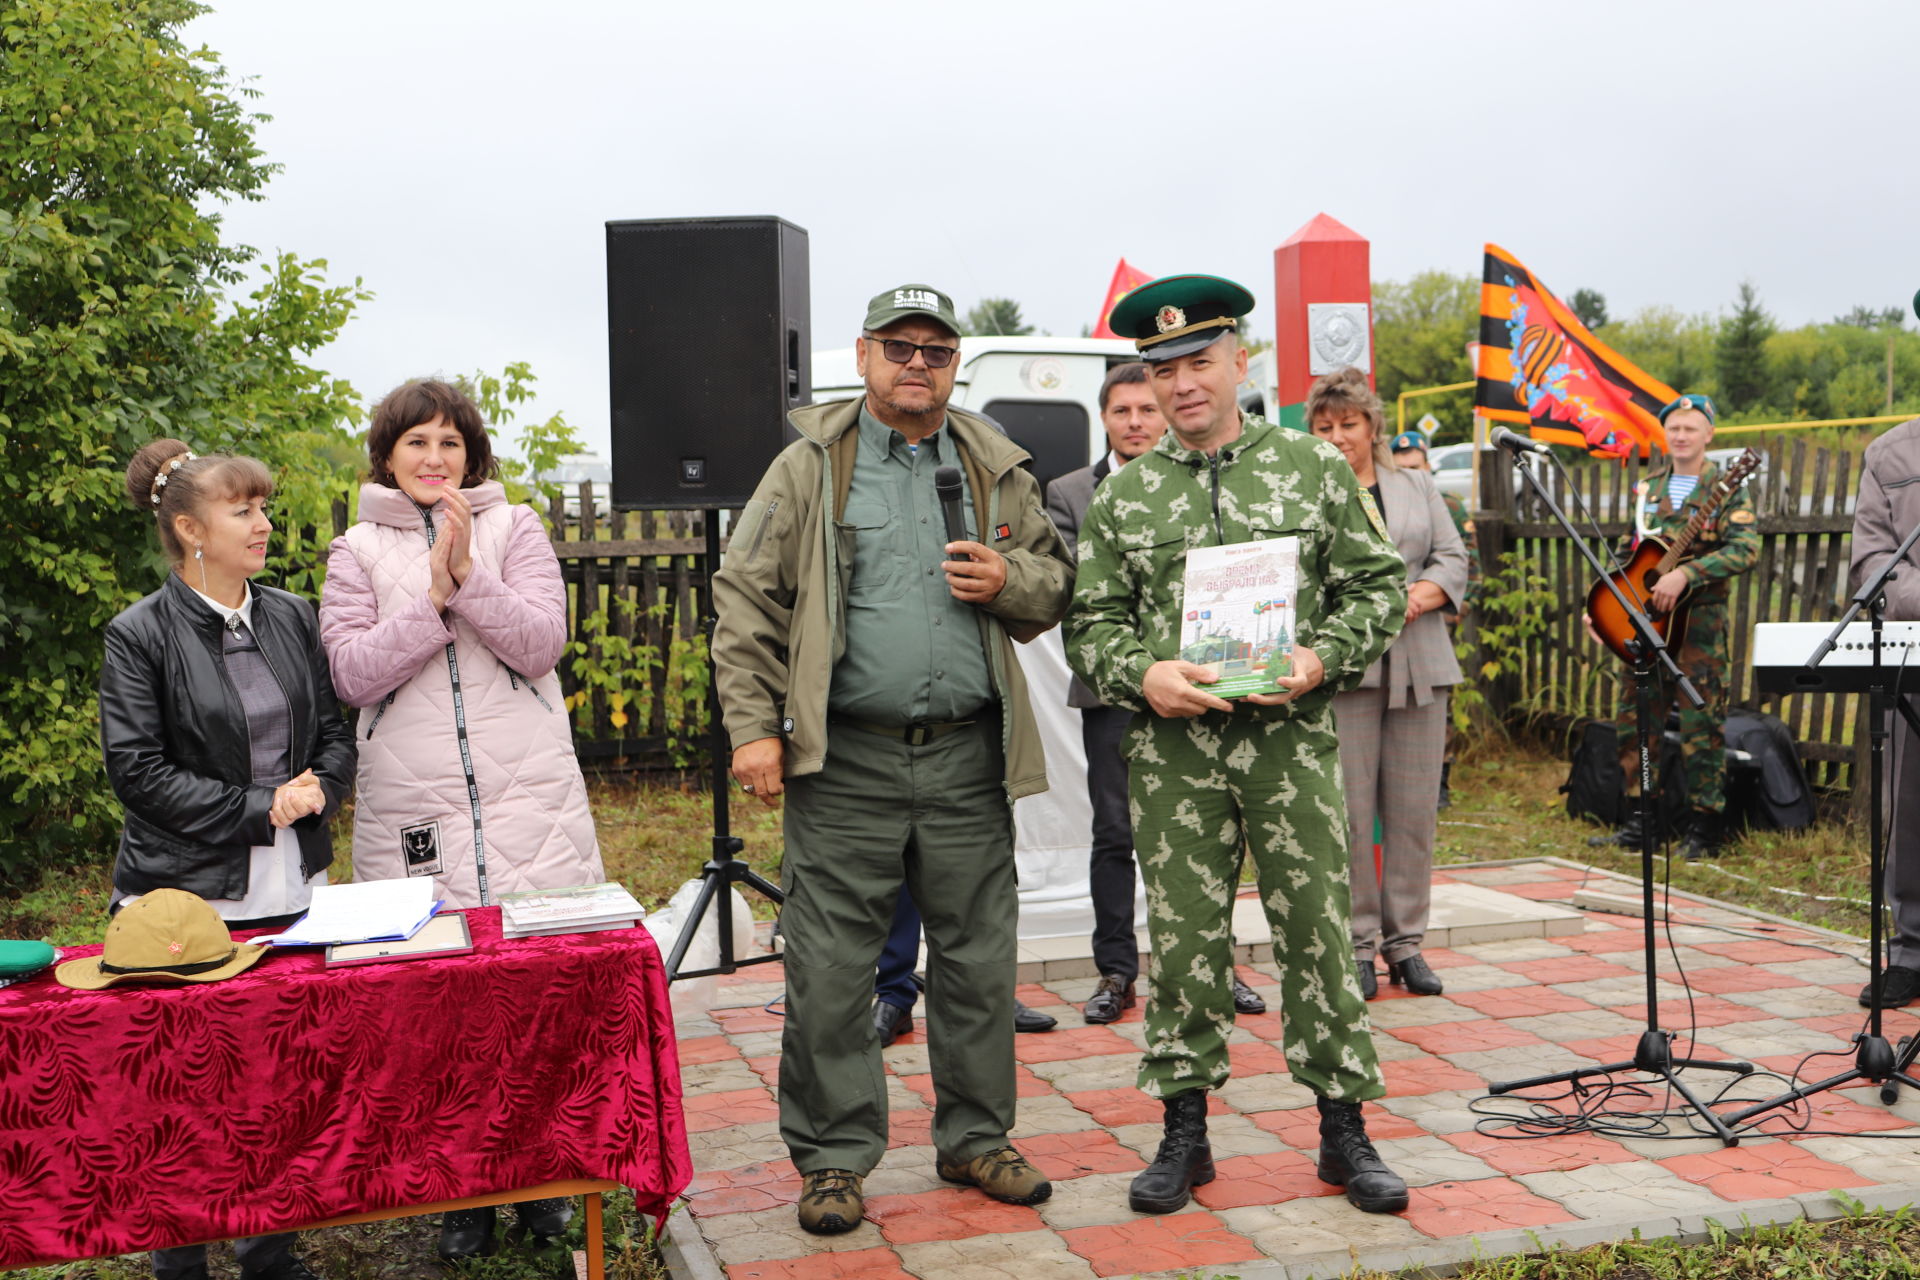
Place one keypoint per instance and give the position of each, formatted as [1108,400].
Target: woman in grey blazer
[1393,728]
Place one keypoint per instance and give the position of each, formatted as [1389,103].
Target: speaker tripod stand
[1653,1055]
[724,869]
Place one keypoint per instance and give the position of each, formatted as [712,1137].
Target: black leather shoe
[1347,1159]
[1898,987]
[545,1219]
[1025,1019]
[466,1233]
[1369,977]
[1109,1000]
[1415,974]
[1183,1162]
[291,1269]
[890,1022]
[1244,999]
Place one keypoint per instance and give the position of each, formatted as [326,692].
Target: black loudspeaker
[708,348]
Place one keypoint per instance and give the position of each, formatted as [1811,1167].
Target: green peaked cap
[1178,315]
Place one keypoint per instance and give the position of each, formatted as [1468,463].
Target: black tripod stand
[1654,1054]
[723,869]
[1873,1058]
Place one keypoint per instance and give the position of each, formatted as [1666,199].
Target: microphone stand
[723,869]
[1654,1054]
[1873,1060]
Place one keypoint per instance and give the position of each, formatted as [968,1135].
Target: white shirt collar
[1114,461]
[227,612]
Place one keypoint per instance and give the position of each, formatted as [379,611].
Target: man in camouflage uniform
[1207,776]
[1729,543]
[1410,451]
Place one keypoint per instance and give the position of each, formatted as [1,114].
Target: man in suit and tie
[1134,425]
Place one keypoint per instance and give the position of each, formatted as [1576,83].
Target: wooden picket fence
[1804,502]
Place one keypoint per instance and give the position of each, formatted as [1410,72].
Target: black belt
[914,735]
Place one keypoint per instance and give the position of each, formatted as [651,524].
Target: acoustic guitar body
[1636,581]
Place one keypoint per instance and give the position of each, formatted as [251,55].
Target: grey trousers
[254,1254]
[1390,760]
[880,813]
[1902,827]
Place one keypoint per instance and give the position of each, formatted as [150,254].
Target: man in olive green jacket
[866,671]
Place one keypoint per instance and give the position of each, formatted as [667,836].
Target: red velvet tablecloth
[143,1117]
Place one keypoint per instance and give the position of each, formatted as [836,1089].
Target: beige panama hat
[167,936]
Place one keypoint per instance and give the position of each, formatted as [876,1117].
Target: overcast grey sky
[463,158]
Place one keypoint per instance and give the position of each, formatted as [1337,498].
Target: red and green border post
[1323,262]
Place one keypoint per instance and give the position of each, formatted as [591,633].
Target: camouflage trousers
[1703,732]
[1201,790]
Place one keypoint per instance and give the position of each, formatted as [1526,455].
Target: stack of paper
[370,911]
[587,908]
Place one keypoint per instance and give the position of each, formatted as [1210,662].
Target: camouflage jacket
[1728,544]
[1463,524]
[1270,483]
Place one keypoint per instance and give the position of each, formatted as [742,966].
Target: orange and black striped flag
[1541,369]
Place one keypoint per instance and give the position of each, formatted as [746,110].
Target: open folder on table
[370,911]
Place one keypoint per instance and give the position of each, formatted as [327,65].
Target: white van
[1043,392]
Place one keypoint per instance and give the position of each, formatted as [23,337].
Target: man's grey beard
[913,411]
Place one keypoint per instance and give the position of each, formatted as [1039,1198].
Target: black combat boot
[1183,1162]
[1347,1159]
[1706,835]
[1625,836]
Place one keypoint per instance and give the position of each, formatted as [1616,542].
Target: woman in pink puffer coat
[443,617]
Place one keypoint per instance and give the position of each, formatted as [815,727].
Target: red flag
[1542,370]
[1125,280]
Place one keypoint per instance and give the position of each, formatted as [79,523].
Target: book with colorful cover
[1238,614]
[567,910]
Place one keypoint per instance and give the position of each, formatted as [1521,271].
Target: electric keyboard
[1781,650]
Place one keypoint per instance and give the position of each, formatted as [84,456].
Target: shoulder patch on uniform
[1740,517]
[1372,509]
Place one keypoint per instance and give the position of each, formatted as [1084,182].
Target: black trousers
[1110,879]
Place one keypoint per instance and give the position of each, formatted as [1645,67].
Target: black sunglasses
[900,351]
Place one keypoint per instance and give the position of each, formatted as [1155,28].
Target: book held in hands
[587,908]
[1237,614]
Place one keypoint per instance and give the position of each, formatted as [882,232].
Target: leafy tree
[1741,352]
[1421,329]
[118,144]
[996,316]
[1591,306]
[1675,348]
[1871,318]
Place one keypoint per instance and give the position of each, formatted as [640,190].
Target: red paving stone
[1621,1048]
[1112,1108]
[1028,1085]
[706,1111]
[1273,1178]
[1473,1208]
[1757,952]
[856,1264]
[1738,977]
[768,1069]
[950,1213]
[1181,1241]
[910,1128]
[1553,890]
[1074,1155]
[1580,968]
[1529,1154]
[738,1022]
[1766,1171]
[772,972]
[1701,1011]
[748,1189]
[1603,941]
[1256,1057]
[1519,1002]
[1465,1037]
[1416,1076]
[702,1049]
[1070,1042]
[1829,1112]
[1442,958]
[1299,1127]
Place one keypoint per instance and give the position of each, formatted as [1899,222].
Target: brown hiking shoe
[1003,1174]
[830,1201]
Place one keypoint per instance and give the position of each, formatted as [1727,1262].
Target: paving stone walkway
[1762,990]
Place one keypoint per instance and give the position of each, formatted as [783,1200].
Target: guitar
[1654,558]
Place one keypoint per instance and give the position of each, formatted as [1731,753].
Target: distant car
[1453,469]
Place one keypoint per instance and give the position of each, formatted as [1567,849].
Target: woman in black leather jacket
[221,732]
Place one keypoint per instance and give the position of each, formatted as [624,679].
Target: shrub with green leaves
[123,317]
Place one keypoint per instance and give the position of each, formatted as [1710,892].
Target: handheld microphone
[1518,443]
[947,484]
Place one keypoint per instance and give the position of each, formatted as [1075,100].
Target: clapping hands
[452,556]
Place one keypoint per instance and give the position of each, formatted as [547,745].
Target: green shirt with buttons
[914,654]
